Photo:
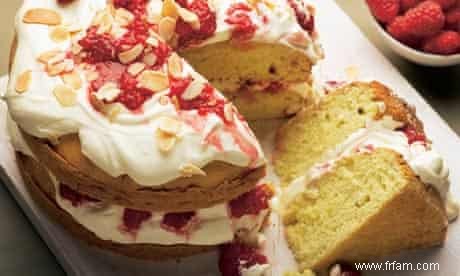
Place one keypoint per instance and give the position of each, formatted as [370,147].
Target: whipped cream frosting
[124,145]
[425,161]
[255,270]
[215,224]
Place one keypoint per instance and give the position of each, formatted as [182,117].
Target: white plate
[344,46]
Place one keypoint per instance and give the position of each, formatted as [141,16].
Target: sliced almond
[73,27]
[72,79]
[175,65]
[112,111]
[42,16]
[49,55]
[193,90]
[91,75]
[123,17]
[59,34]
[131,54]
[150,59]
[169,125]
[228,112]
[65,95]
[166,28]
[55,69]
[190,18]
[152,41]
[135,68]
[165,142]
[153,80]
[170,8]
[108,92]
[189,170]
[23,81]
[76,48]
[105,24]
[163,100]
[153,18]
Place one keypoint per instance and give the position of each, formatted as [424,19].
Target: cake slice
[361,180]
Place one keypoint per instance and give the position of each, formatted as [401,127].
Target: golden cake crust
[42,190]
[222,183]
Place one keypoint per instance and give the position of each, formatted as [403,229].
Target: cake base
[41,189]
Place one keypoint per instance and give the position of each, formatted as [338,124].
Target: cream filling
[426,162]
[126,145]
[215,225]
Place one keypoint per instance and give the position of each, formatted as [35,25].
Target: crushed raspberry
[412,134]
[162,52]
[445,43]
[132,97]
[98,47]
[235,256]
[384,10]
[453,19]
[138,32]
[252,202]
[180,223]
[306,22]
[243,27]
[187,35]
[108,72]
[73,196]
[133,219]
[135,6]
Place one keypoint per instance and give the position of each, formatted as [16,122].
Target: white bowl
[414,55]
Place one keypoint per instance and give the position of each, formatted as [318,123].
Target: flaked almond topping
[189,170]
[108,92]
[51,55]
[65,95]
[59,34]
[150,59]
[131,54]
[166,27]
[73,27]
[55,69]
[170,9]
[69,65]
[123,17]
[135,68]
[112,111]
[152,41]
[153,80]
[42,16]
[228,112]
[76,48]
[190,18]
[91,75]
[117,31]
[153,34]
[153,18]
[169,125]
[165,142]
[193,90]
[298,39]
[175,65]
[23,81]
[105,24]
[72,79]
[163,100]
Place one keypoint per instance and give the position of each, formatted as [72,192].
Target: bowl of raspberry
[426,32]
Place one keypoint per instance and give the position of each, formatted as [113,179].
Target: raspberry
[424,20]
[446,4]
[453,19]
[73,196]
[132,96]
[244,28]
[162,52]
[235,256]
[251,203]
[307,23]
[208,24]
[384,10]
[98,47]
[408,4]
[178,222]
[445,43]
[132,219]
[135,6]
[412,134]
[400,31]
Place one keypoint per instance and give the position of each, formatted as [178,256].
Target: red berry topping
[133,219]
[135,6]
[408,4]
[238,17]
[162,52]
[399,29]
[446,4]
[445,43]
[252,202]
[306,22]
[73,196]
[453,19]
[107,72]
[236,256]
[384,10]
[424,20]
[413,135]
[132,97]
[208,24]
[180,223]
[98,47]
